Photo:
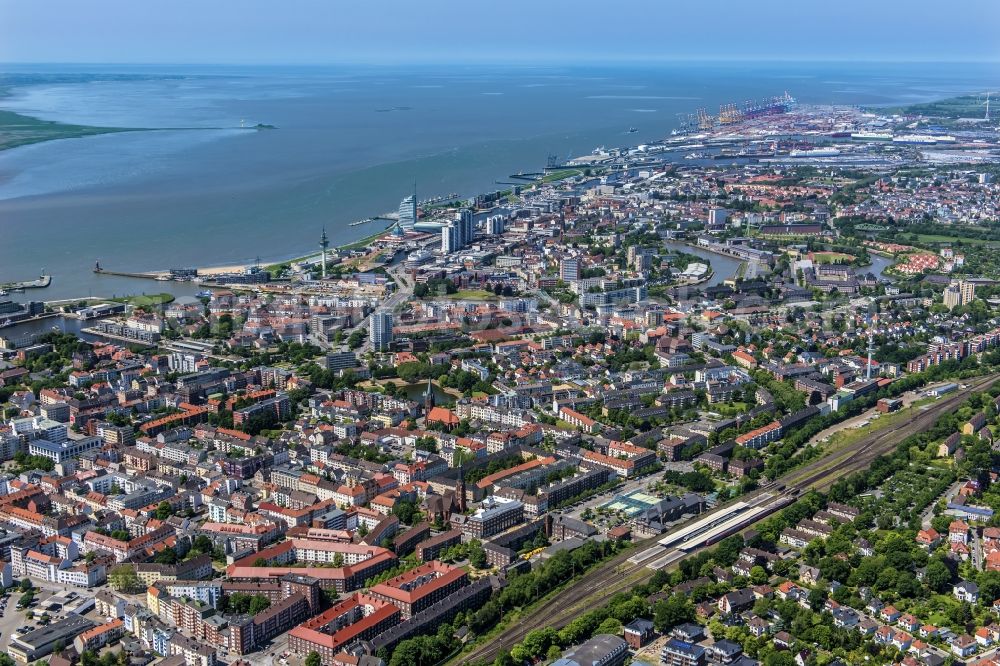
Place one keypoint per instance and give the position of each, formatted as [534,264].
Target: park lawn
[833,257]
[935,238]
[940,618]
[473,295]
[143,300]
[553,176]
[731,409]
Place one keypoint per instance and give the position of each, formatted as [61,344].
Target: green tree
[817,597]
[166,556]
[313,659]
[609,626]
[259,604]
[779,658]
[672,611]
[406,511]
[164,511]
[202,544]
[477,558]
[123,578]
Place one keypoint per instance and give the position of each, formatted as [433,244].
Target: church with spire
[428,398]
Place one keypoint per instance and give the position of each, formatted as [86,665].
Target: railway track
[618,574]
[820,475]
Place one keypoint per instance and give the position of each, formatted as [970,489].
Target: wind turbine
[986,104]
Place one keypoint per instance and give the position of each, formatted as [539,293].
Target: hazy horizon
[536,63]
[394,32]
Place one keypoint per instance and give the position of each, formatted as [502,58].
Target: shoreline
[209,271]
[741,267]
[702,280]
[12,122]
[65,130]
[18,130]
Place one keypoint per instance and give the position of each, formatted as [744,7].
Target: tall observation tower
[324,243]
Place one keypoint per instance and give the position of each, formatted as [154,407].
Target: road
[403,294]
[977,550]
[925,520]
[617,574]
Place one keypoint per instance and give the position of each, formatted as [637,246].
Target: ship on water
[814,152]
[923,138]
[866,135]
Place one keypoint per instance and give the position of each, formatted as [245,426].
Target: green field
[832,258]
[965,106]
[351,246]
[17,130]
[553,176]
[847,436]
[363,242]
[145,300]
[473,295]
[934,238]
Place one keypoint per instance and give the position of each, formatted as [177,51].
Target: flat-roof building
[40,643]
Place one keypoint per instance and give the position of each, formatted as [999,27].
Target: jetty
[162,276]
[42,282]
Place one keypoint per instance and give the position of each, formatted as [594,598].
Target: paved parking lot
[12,618]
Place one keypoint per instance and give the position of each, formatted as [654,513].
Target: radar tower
[324,243]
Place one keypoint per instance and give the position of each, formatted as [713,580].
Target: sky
[469,31]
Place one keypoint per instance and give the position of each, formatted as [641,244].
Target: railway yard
[666,551]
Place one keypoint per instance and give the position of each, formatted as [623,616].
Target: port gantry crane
[705,120]
[729,114]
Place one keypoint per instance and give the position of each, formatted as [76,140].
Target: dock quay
[42,282]
[146,276]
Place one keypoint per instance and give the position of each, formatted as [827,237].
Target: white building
[408,212]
